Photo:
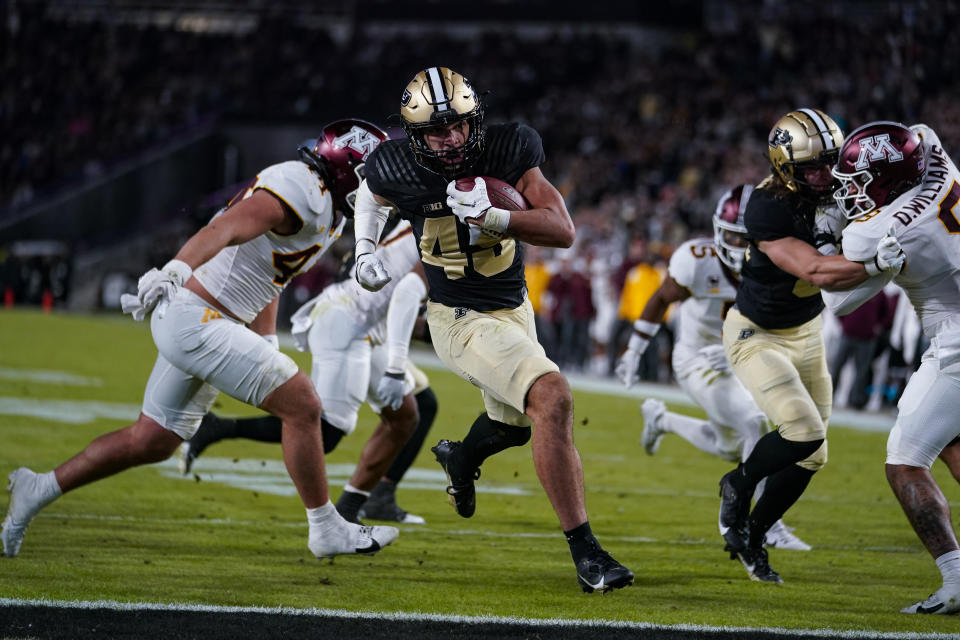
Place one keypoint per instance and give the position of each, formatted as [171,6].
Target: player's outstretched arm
[802,260]
[370,216]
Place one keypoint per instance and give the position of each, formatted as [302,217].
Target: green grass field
[150,535]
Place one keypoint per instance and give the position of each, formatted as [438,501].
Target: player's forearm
[370,216]
[835,273]
[401,317]
[542,227]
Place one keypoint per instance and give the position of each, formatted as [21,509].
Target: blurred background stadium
[128,123]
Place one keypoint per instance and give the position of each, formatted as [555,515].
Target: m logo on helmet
[876,148]
[358,139]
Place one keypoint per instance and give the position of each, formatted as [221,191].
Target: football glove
[392,389]
[890,257]
[716,358]
[371,274]
[828,228]
[475,204]
[155,289]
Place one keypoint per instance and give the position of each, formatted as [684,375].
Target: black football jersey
[487,275]
[768,295]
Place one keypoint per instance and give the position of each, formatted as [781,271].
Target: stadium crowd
[642,131]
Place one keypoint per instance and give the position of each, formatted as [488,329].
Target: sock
[581,540]
[782,490]
[488,436]
[350,501]
[427,407]
[384,491]
[48,487]
[263,428]
[772,453]
[324,518]
[949,565]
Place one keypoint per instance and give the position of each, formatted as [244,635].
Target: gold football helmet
[439,96]
[804,138]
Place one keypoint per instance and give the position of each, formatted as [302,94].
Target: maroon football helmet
[339,155]
[729,232]
[878,162]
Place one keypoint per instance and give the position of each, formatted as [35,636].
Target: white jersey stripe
[822,128]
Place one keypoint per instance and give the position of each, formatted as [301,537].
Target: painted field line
[418,616]
[414,529]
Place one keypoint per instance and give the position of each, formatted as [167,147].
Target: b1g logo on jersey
[875,149]
[358,139]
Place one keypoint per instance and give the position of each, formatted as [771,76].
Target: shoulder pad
[297,186]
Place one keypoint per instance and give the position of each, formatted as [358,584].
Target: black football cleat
[734,516]
[757,563]
[460,492]
[598,571]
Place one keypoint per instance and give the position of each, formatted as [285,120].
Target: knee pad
[816,460]
[798,424]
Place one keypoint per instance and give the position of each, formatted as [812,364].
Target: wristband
[180,270]
[645,327]
[359,251]
[496,220]
[872,267]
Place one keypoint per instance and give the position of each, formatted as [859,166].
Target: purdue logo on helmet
[437,97]
[878,162]
[804,139]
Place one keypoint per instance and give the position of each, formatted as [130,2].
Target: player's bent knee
[817,460]
[905,448]
[550,393]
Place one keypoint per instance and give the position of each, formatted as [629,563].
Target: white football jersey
[696,267]
[398,252]
[926,222]
[246,277]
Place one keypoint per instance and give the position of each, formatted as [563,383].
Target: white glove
[828,228]
[890,255]
[371,274]
[272,340]
[473,208]
[156,288]
[392,389]
[626,369]
[716,358]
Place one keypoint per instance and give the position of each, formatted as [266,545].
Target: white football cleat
[653,411]
[351,538]
[781,536]
[941,602]
[27,497]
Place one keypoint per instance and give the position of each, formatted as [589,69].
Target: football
[501,194]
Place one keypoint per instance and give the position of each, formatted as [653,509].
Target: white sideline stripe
[48,376]
[69,411]
[227,522]
[417,616]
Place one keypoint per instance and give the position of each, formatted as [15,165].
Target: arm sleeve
[401,316]
[843,302]
[368,220]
